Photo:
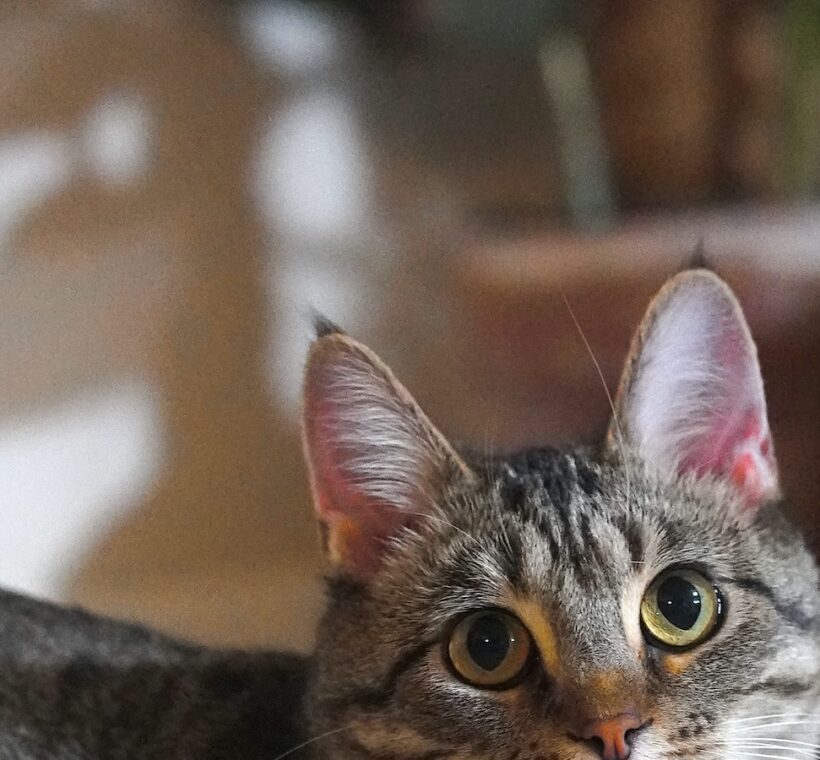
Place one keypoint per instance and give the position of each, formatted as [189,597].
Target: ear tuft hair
[698,258]
[323,327]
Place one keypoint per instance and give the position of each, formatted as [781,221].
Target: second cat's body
[74,686]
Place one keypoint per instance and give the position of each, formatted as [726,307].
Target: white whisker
[312,741]
[771,745]
[442,521]
[615,418]
[783,741]
[779,724]
[721,755]
[768,717]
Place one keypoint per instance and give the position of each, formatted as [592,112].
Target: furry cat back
[74,686]
[643,600]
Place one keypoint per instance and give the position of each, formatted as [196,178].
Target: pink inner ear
[349,473]
[357,534]
[736,442]
[742,452]
[692,400]
[357,525]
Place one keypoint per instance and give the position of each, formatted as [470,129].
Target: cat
[644,599]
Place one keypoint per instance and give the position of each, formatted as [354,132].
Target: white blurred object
[292,38]
[68,475]
[313,173]
[114,142]
[116,139]
[33,166]
[298,289]
[314,189]
[314,183]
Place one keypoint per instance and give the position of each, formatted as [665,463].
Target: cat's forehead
[552,518]
[561,495]
[569,544]
[533,478]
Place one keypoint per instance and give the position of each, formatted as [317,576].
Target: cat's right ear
[691,401]
[376,462]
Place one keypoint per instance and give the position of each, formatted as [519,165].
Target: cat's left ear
[691,399]
[377,463]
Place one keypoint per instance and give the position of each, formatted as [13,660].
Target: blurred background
[180,182]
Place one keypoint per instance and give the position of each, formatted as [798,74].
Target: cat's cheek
[479,723]
[653,744]
[385,736]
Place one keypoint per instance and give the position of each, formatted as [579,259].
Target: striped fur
[557,530]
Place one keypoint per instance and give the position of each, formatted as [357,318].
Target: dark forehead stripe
[588,479]
[632,530]
[540,485]
[546,529]
[514,493]
[546,470]
[524,479]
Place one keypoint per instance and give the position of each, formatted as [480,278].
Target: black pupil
[679,602]
[488,642]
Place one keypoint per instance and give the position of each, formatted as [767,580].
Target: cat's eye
[490,649]
[680,609]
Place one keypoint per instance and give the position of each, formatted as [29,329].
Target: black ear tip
[323,327]
[698,259]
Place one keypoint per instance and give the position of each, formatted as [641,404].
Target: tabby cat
[645,600]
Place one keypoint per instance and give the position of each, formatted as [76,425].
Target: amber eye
[680,609]
[490,649]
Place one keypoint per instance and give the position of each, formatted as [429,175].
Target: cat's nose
[612,737]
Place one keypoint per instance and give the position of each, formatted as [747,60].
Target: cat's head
[645,600]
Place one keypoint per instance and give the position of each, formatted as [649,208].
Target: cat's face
[645,602]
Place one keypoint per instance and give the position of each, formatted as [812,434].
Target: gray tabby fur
[572,534]
[567,540]
[77,687]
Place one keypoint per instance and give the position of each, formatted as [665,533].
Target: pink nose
[611,735]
